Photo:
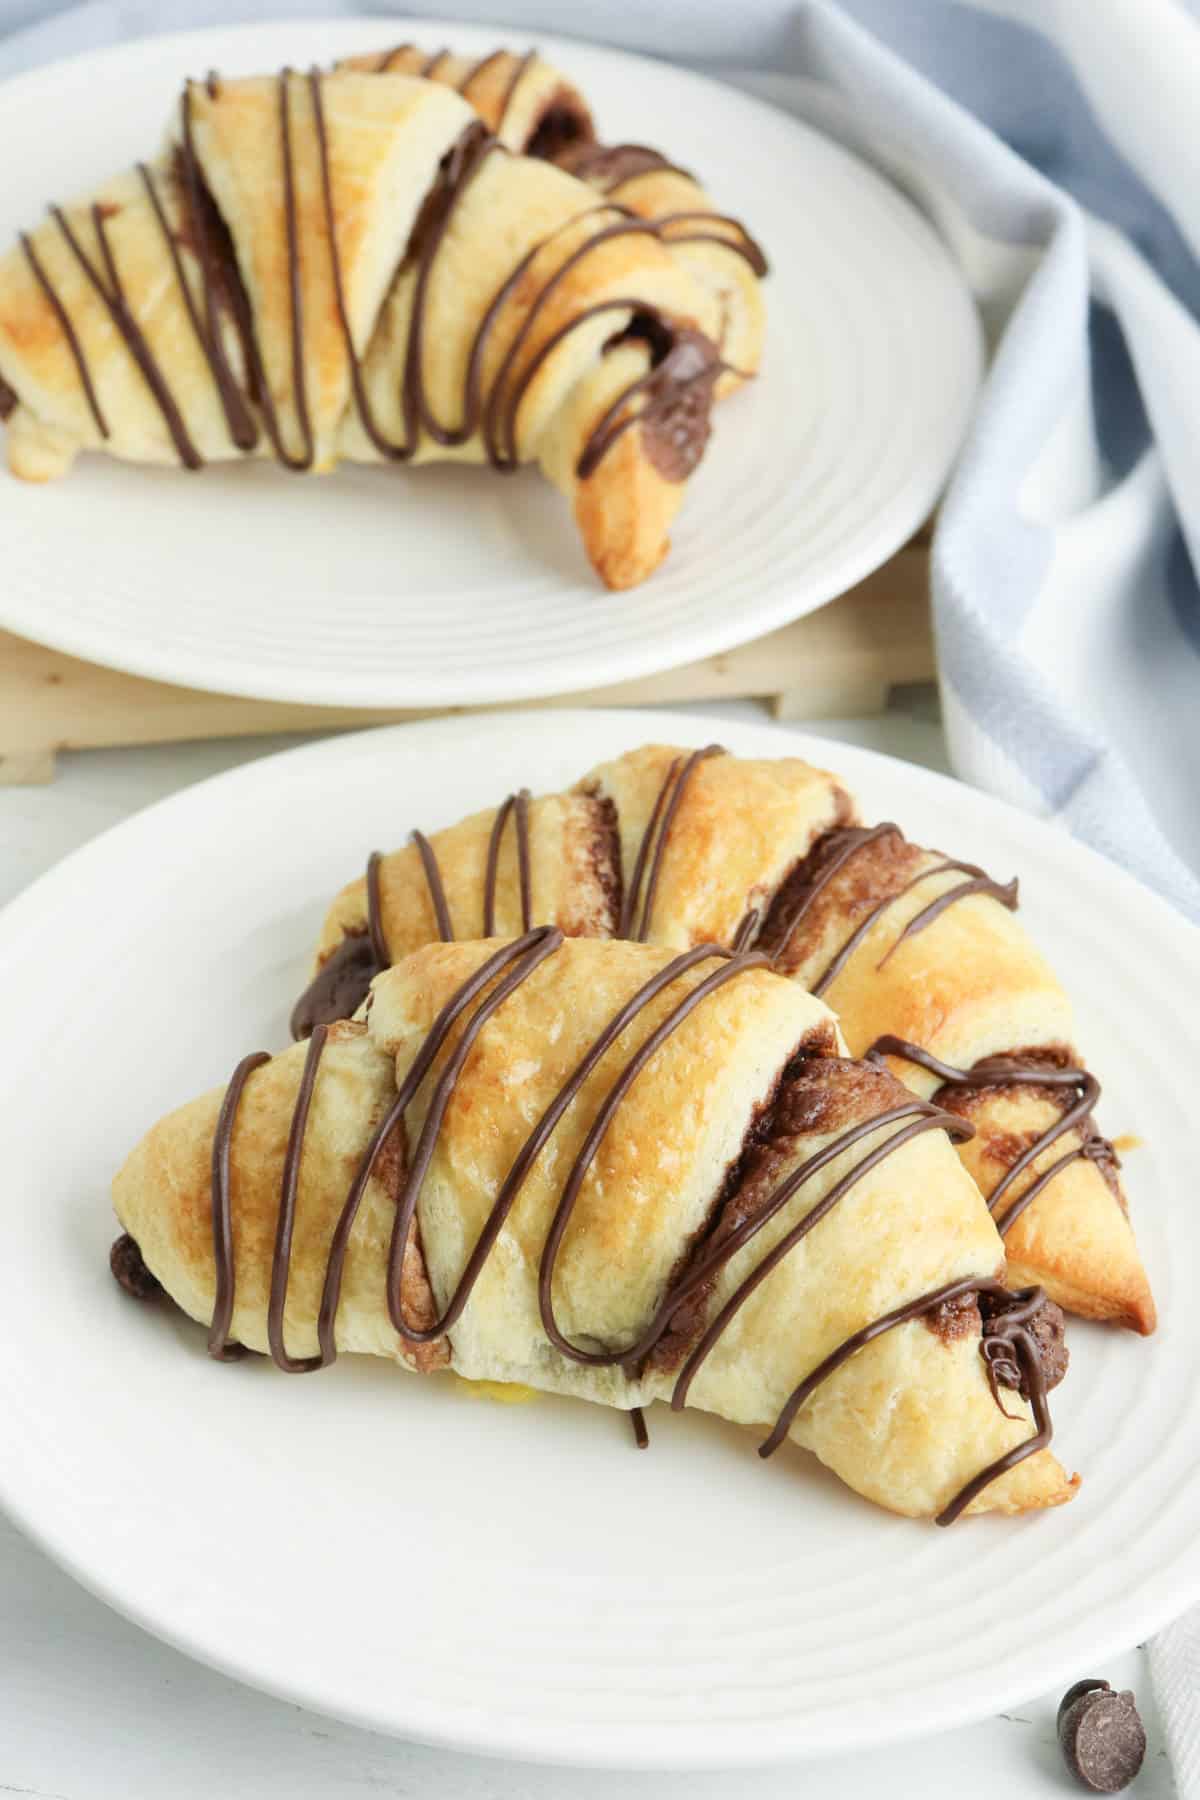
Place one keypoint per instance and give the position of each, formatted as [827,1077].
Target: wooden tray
[840,660]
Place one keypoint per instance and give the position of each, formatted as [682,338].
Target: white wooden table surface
[91,1708]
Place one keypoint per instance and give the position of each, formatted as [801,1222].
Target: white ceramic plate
[444,585]
[517,1579]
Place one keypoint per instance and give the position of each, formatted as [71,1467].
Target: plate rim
[636,658]
[641,1746]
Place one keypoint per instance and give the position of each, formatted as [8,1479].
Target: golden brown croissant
[347,266]
[920,956]
[608,1171]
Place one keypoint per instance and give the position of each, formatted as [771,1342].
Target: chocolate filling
[606,860]
[678,389]
[1048,1329]
[130,1272]
[954,1319]
[8,400]
[737,1199]
[340,985]
[607,166]
[849,866]
[861,870]
[564,123]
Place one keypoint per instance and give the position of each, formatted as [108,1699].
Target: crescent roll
[348,266]
[921,957]
[607,1171]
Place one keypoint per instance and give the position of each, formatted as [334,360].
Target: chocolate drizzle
[509,967]
[830,856]
[111,290]
[1080,1085]
[433,881]
[607,167]
[219,1345]
[518,806]
[282,1258]
[375,930]
[743,245]
[68,330]
[648,864]
[519,73]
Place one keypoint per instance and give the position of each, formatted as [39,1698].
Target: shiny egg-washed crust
[387,136]
[970,985]
[908,1421]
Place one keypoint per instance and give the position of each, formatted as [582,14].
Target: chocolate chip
[1101,1737]
[125,1261]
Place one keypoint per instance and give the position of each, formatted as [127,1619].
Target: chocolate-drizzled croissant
[347,266]
[607,1171]
[921,957]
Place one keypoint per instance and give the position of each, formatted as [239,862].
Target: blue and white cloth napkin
[1055,145]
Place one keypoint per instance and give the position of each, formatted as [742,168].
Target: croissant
[531,107]
[609,1171]
[346,266]
[920,956]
